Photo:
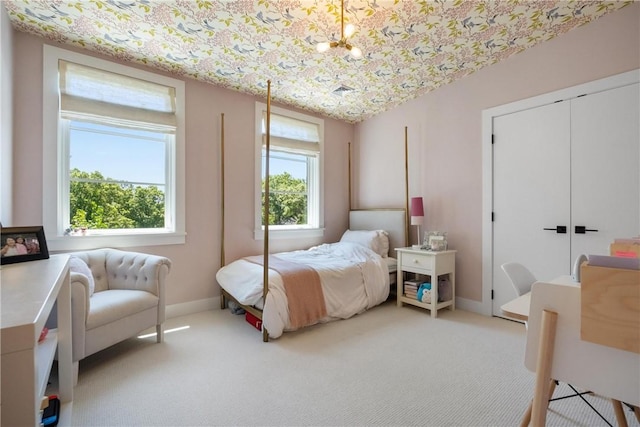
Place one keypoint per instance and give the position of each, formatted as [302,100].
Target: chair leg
[160,333]
[617,409]
[526,418]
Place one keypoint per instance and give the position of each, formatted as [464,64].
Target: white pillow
[77,265]
[376,240]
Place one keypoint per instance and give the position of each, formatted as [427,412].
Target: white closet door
[531,179]
[605,168]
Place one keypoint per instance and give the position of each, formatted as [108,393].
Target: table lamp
[417,216]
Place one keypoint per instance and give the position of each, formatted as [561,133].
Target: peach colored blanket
[303,288]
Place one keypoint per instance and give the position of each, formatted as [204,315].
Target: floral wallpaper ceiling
[410,47]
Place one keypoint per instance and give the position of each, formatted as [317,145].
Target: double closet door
[566,181]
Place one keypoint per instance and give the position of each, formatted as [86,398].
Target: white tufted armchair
[129,297]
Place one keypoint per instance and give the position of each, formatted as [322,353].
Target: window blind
[291,134]
[104,97]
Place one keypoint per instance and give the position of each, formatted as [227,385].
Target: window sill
[77,243]
[299,233]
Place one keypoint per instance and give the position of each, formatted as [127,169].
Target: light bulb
[323,47]
[356,52]
[349,30]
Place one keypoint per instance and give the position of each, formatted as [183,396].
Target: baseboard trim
[471,305]
[182,309]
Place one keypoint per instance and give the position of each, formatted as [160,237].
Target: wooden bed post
[406,184]
[222,225]
[349,176]
[222,254]
[265,278]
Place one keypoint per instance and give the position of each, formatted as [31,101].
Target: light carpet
[388,366]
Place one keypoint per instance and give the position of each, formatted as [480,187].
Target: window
[295,173]
[113,154]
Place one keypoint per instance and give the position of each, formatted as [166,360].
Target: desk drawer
[417,261]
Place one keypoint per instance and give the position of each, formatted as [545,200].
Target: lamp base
[416,246]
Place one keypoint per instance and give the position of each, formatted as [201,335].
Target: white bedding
[353,278]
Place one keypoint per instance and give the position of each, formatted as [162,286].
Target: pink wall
[195,263]
[6,117]
[444,127]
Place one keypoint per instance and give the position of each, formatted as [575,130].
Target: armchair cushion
[115,304]
[77,265]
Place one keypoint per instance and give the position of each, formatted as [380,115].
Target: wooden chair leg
[543,367]
[160,333]
[526,418]
[620,417]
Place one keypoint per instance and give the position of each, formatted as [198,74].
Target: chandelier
[345,32]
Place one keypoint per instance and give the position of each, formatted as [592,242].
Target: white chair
[522,279]
[115,295]
[520,276]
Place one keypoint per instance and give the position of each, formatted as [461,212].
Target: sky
[117,157]
[142,161]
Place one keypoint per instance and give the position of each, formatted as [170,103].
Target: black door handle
[581,229]
[559,229]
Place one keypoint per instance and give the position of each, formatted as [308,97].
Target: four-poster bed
[291,290]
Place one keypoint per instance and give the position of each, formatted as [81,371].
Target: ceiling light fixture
[344,34]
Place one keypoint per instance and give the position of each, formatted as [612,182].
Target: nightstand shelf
[426,263]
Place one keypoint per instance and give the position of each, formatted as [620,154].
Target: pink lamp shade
[417,211]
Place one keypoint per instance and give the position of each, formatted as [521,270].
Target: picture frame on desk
[21,244]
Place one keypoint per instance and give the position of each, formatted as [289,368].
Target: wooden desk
[29,291]
[555,350]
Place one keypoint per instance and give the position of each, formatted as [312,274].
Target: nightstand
[430,266]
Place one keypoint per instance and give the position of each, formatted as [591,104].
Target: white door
[574,164]
[605,169]
[531,192]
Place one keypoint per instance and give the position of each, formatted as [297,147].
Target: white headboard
[392,221]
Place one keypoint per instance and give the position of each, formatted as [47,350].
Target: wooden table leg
[543,367]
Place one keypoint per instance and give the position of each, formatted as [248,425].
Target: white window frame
[316,198]
[55,164]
